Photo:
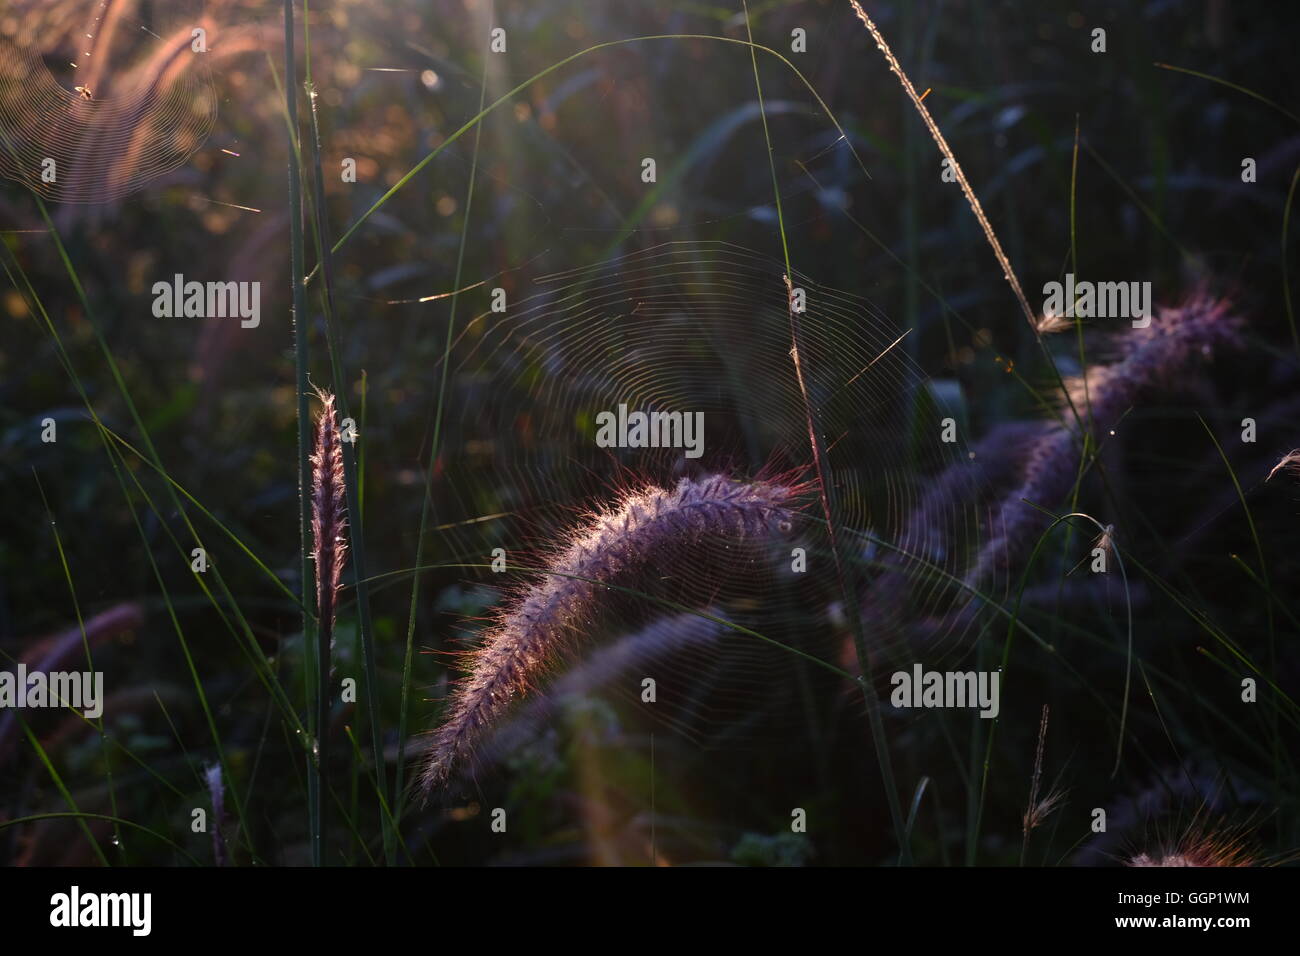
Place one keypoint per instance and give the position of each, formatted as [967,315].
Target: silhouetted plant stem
[296,257]
[370,685]
[843,573]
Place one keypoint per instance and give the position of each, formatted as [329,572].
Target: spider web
[705,327]
[110,90]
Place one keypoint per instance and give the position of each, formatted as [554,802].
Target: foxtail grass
[618,544]
[1158,357]
[1199,845]
[329,521]
[300,355]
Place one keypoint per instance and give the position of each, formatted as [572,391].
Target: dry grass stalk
[896,68]
[1039,810]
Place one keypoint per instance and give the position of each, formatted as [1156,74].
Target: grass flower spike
[611,548]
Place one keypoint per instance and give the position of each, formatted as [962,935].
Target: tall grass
[317,692]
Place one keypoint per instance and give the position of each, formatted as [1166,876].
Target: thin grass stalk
[1263,574]
[300,356]
[81,817]
[843,571]
[1286,278]
[120,468]
[1005,667]
[64,792]
[1083,355]
[329,527]
[897,69]
[370,672]
[98,724]
[972,200]
[1246,740]
[399,794]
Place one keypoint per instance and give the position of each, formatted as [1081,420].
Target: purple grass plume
[637,535]
[217,793]
[1169,817]
[663,638]
[929,535]
[329,515]
[1158,357]
[1199,846]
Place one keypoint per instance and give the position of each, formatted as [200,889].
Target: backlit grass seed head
[663,638]
[1158,356]
[932,532]
[1199,847]
[1146,360]
[329,518]
[641,533]
[217,794]
[1290,462]
[1049,323]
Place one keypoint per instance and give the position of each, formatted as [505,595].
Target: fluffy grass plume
[1199,846]
[612,547]
[329,513]
[662,638]
[217,794]
[1146,360]
[329,521]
